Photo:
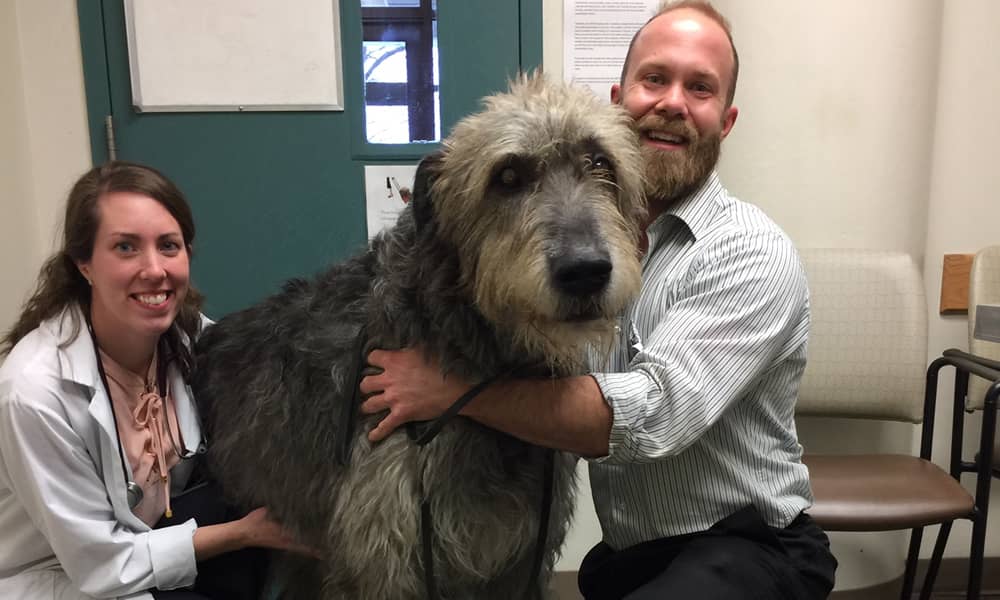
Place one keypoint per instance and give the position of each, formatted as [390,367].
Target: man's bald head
[705,8]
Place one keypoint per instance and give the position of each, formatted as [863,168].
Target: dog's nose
[582,275]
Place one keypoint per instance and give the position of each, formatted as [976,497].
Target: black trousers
[239,575]
[178,595]
[739,558]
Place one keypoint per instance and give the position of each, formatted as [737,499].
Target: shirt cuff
[625,394]
[171,551]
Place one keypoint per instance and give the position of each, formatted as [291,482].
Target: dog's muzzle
[581,278]
[583,274]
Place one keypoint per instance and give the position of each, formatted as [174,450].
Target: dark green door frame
[95,74]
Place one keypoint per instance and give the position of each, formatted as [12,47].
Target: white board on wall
[234,55]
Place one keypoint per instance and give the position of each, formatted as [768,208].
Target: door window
[399,51]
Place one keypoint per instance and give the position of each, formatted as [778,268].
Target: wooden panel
[955,284]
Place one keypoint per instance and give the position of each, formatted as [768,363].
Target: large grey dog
[516,254]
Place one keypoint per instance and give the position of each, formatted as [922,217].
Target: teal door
[280,194]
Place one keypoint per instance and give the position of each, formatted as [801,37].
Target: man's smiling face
[675,87]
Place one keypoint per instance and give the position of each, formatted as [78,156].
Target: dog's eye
[508,177]
[513,174]
[599,161]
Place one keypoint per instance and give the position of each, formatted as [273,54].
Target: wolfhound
[516,254]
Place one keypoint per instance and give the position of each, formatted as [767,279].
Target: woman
[96,420]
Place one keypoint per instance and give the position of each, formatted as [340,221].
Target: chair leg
[984,479]
[911,563]
[976,557]
[935,564]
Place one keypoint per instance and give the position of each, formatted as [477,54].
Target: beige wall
[43,128]
[18,244]
[59,143]
[862,124]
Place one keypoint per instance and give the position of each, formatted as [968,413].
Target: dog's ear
[423,181]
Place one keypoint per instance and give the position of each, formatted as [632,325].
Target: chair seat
[883,492]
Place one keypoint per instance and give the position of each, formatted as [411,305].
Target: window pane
[400,70]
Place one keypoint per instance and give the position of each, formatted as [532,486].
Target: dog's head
[541,194]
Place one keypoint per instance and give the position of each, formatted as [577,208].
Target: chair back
[984,318]
[867,352]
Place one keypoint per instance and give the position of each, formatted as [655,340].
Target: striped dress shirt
[703,377]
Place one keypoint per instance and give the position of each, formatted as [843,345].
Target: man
[694,460]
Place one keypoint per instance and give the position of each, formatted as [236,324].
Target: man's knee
[725,568]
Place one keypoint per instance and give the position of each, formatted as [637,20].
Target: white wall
[862,124]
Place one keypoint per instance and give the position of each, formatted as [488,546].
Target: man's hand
[410,386]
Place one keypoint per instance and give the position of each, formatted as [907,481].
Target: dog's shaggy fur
[518,251]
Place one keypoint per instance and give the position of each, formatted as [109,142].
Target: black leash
[427,543]
[427,533]
[422,433]
[349,410]
[429,431]
[545,511]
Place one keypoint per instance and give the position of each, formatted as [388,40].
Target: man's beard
[671,175]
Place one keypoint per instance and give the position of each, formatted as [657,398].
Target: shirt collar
[77,360]
[696,210]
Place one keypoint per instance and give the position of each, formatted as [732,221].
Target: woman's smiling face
[139,269]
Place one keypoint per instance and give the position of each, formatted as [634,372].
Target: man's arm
[740,313]
[567,414]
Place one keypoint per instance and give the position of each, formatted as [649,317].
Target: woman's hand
[261,531]
[256,530]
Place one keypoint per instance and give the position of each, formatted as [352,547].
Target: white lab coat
[66,531]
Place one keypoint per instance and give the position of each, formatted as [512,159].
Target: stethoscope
[133,492]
